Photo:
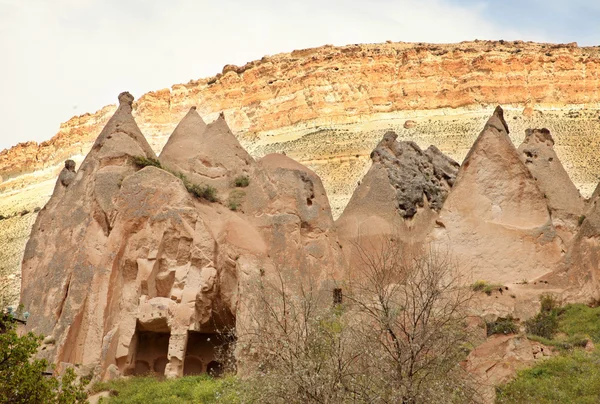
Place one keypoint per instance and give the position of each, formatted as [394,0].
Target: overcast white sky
[66,57]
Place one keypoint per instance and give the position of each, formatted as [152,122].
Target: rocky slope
[135,265]
[126,271]
[328,107]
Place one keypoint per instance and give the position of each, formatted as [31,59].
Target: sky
[61,58]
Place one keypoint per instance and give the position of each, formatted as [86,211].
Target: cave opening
[151,354]
[207,353]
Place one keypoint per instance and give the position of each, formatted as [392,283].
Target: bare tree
[398,334]
[302,345]
[413,306]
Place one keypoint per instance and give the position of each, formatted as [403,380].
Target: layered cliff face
[328,108]
[326,105]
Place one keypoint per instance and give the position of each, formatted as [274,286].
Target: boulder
[499,358]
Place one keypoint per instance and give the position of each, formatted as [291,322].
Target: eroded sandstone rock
[498,360]
[399,197]
[496,219]
[563,198]
[127,272]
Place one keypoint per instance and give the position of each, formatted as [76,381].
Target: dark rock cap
[126,98]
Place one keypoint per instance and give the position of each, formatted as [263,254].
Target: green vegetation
[235,199]
[201,191]
[570,378]
[21,377]
[579,320]
[142,162]
[580,220]
[545,323]
[486,287]
[191,389]
[502,325]
[242,181]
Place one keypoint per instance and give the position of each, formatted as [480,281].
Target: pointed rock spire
[208,153]
[123,133]
[495,217]
[493,174]
[563,198]
[400,194]
[186,141]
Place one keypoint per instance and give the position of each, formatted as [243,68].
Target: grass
[579,320]
[235,199]
[201,191]
[502,325]
[242,181]
[486,287]
[573,325]
[569,378]
[190,389]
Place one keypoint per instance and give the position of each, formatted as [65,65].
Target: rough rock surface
[579,273]
[564,200]
[499,358]
[496,219]
[416,175]
[209,154]
[400,196]
[127,272]
[309,101]
[328,108]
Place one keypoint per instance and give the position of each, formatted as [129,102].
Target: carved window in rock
[337,296]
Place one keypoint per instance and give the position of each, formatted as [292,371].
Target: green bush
[502,325]
[202,191]
[199,190]
[142,162]
[235,199]
[242,181]
[580,220]
[21,376]
[545,323]
[486,287]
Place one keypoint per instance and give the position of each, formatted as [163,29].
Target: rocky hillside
[328,108]
[141,263]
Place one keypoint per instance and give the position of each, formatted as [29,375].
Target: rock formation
[498,359]
[496,219]
[328,107]
[564,200]
[400,196]
[137,264]
[209,154]
[128,272]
